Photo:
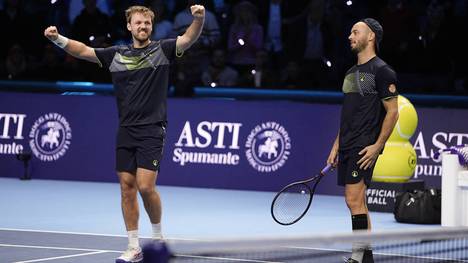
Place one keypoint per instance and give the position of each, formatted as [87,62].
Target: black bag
[418,207]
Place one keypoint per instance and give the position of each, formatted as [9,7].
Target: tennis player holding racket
[368,116]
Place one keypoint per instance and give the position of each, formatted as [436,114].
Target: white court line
[61,248]
[228,259]
[62,257]
[87,234]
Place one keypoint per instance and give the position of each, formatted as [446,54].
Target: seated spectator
[92,26]
[291,77]
[15,66]
[190,66]
[162,27]
[51,67]
[200,51]
[245,37]
[218,73]
[261,75]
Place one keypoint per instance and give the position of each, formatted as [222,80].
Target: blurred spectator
[75,7]
[92,26]
[291,77]
[51,67]
[15,26]
[209,37]
[400,36]
[162,27]
[191,65]
[314,49]
[262,75]
[16,64]
[273,41]
[311,33]
[294,28]
[245,36]
[314,55]
[218,73]
[436,29]
[273,38]
[120,33]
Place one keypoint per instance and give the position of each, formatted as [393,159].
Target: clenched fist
[51,33]
[198,11]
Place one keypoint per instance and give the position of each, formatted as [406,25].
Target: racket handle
[326,169]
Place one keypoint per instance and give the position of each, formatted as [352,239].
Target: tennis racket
[292,202]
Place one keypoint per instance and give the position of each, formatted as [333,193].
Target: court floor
[68,221]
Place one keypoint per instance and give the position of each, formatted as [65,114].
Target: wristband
[61,41]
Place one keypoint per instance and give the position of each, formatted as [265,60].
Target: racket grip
[326,169]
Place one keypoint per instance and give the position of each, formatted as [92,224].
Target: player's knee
[128,193]
[146,190]
[354,202]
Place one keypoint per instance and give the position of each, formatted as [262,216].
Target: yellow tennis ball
[396,163]
[407,121]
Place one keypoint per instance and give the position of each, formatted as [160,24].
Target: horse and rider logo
[268,147]
[50,137]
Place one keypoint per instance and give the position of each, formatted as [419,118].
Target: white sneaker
[131,255]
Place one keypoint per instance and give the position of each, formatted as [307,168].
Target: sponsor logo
[50,137]
[268,147]
[380,196]
[428,165]
[354,174]
[11,129]
[214,143]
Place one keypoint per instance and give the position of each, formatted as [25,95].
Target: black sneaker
[350,260]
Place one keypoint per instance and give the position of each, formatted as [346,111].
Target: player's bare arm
[371,152]
[333,156]
[72,47]
[193,31]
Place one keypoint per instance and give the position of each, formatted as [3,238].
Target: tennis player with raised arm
[140,74]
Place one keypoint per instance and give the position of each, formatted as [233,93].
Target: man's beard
[142,39]
[360,46]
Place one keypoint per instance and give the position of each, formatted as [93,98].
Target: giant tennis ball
[396,164]
[407,121]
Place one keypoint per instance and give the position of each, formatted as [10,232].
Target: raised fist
[51,33]
[198,11]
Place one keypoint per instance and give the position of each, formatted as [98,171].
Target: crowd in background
[270,44]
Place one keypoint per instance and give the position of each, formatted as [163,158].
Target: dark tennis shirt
[141,79]
[362,114]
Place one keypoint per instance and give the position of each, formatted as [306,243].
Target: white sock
[133,239]
[358,251]
[157,231]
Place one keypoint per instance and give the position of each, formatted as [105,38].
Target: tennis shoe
[131,255]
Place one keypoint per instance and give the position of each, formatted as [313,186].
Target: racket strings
[291,204]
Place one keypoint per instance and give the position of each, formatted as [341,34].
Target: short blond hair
[138,9]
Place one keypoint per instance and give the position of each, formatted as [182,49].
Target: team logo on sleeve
[268,147]
[50,137]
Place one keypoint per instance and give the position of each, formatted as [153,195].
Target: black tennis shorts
[348,169]
[140,147]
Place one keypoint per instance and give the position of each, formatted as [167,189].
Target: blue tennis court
[69,221]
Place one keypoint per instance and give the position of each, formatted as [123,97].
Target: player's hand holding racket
[292,202]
